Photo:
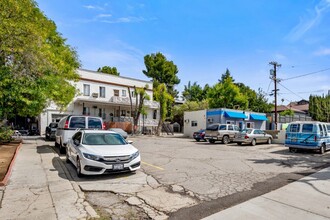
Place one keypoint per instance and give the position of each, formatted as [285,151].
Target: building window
[102,113]
[123,93]
[87,90]
[102,92]
[133,94]
[86,111]
[123,113]
[193,123]
[249,124]
[230,122]
[116,92]
[155,114]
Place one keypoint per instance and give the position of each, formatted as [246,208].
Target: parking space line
[148,164]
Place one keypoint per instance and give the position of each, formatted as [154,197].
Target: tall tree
[226,95]
[319,107]
[226,75]
[257,100]
[109,70]
[164,72]
[36,64]
[193,92]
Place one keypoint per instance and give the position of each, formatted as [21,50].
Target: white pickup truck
[221,132]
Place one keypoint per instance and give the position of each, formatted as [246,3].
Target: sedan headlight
[92,157]
[135,155]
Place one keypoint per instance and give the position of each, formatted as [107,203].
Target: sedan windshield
[103,139]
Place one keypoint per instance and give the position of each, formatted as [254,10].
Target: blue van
[308,135]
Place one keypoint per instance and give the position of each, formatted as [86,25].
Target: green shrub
[5,134]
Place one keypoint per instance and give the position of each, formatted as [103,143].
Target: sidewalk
[308,198]
[40,189]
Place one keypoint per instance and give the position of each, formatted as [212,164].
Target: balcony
[115,100]
[126,101]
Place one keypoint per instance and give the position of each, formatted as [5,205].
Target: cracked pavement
[179,178]
[38,187]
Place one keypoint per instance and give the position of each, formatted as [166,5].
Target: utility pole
[273,77]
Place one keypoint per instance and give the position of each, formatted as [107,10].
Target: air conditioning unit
[210,120]
[95,95]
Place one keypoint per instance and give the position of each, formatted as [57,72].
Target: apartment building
[106,96]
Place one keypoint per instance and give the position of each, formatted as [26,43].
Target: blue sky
[203,38]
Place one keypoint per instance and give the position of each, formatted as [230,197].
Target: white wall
[199,117]
[110,82]
[95,80]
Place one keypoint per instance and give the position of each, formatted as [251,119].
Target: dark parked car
[50,131]
[199,135]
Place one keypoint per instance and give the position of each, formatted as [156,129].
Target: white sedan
[98,152]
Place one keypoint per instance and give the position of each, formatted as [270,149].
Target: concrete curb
[6,178]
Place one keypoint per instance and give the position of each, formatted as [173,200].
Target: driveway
[181,178]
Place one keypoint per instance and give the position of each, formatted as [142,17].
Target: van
[70,124]
[308,135]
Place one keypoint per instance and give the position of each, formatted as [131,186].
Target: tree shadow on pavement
[304,160]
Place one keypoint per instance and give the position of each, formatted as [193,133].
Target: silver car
[253,137]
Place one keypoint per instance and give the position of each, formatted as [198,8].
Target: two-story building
[106,96]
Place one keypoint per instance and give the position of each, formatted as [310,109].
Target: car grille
[107,171]
[116,159]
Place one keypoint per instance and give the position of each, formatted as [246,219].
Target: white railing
[126,101]
[148,122]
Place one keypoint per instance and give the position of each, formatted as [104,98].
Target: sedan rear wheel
[253,142]
[79,174]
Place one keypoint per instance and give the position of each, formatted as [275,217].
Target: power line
[307,74]
[290,90]
[316,91]
[269,85]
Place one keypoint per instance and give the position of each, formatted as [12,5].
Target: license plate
[118,167]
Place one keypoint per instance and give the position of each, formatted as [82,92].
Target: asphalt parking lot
[181,178]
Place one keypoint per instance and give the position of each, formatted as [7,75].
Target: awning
[234,114]
[258,117]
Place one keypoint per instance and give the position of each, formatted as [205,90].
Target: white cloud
[311,20]
[322,52]
[125,20]
[93,7]
[104,15]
